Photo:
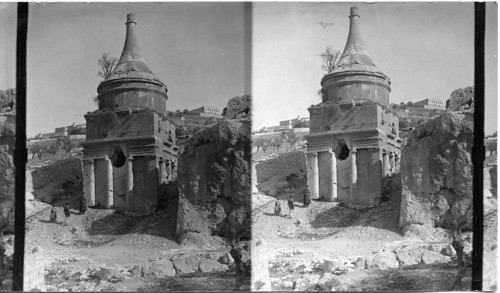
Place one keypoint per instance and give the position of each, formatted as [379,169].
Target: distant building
[66,130]
[289,124]
[286,124]
[206,111]
[432,104]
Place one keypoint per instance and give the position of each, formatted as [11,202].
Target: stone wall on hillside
[283,165]
[59,172]
[7,171]
[214,183]
[436,173]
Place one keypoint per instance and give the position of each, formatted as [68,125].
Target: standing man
[277,207]
[66,214]
[307,196]
[83,204]
[290,206]
[53,214]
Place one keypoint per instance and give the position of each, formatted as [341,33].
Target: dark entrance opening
[118,158]
[342,151]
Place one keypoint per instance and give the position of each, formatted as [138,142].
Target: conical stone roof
[131,63]
[355,57]
[132,84]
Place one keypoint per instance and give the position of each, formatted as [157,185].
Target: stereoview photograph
[362,140]
[130,188]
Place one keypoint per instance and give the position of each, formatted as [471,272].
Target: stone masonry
[283,165]
[130,147]
[354,138]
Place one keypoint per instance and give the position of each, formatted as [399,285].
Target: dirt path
[330,230]
[103,238]
[327,229]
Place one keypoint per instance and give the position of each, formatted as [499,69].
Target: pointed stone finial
[131,18]
[354,51]
[354,12]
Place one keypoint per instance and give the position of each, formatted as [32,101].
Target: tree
[36,150]
[395,106]
[491,145]
[185,111]
[403,124]
[260,143]
[410,104]
[277,142]
[329,57]
[106,65]
[290,137]
[96,101]
[64,143]
[52,148]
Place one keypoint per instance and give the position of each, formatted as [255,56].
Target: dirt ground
[329,230]
[103,238]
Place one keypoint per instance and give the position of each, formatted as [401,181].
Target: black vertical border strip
[20,154]
[247,68]
[478,146]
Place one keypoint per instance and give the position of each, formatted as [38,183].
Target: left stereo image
[8,28]
[139,147]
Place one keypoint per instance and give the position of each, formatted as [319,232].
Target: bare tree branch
[106,65]
[330,58]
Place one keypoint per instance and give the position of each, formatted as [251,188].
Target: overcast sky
[196,49]
[8,27]
[426,49]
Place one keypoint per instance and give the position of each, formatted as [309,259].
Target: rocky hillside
[436,173]
[7,185]
[214,182]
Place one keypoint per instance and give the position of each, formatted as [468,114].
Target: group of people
[83,208]
[291,205]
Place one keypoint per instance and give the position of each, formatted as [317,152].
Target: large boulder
[239,107]
[6,256]
[7,172]
[214,181]
[32,206]
[461,99]
[436,173]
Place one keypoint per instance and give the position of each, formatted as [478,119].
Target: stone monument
[354,135]
[130,147]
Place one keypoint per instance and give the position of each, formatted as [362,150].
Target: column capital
[311,154]
[89,161]
[391,154]
[354,151]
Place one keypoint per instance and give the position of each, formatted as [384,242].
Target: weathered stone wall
[68,170]
[101,181]
[283,165]
[369,177]
[344,179]
[323,115]
[436,173]
[214,183]
[325,174]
